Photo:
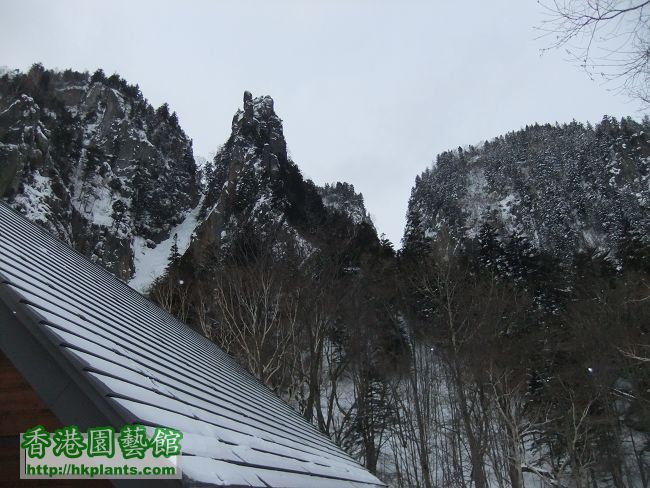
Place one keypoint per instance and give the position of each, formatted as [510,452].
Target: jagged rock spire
[248,104]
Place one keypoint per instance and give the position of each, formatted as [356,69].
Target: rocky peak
[253,187]
[258,125]
[248,104]
[247,180]
[255,151]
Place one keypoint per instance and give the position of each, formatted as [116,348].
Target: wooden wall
[20,409]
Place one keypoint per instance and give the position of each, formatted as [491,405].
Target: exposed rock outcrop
[91,160]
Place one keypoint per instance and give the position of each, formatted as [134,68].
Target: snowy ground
[151,263]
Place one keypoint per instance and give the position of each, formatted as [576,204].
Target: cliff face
[88,158]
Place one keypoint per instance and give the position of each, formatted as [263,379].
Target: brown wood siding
[20,409]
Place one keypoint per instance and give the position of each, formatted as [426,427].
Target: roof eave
[56,376]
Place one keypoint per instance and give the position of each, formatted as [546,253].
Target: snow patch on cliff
[151,263]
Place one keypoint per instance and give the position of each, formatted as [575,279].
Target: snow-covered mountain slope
[562,190]
[88,158]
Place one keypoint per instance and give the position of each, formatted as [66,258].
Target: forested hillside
[525,262]
[563,189]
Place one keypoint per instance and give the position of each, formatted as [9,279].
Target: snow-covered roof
[96,350]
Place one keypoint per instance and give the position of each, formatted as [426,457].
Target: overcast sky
[369,91]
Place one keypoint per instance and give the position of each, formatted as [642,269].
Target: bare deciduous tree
[610,38]
[257,319]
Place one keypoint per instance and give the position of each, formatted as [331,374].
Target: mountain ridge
[90,159]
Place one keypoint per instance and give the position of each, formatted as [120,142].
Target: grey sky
[369,91]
